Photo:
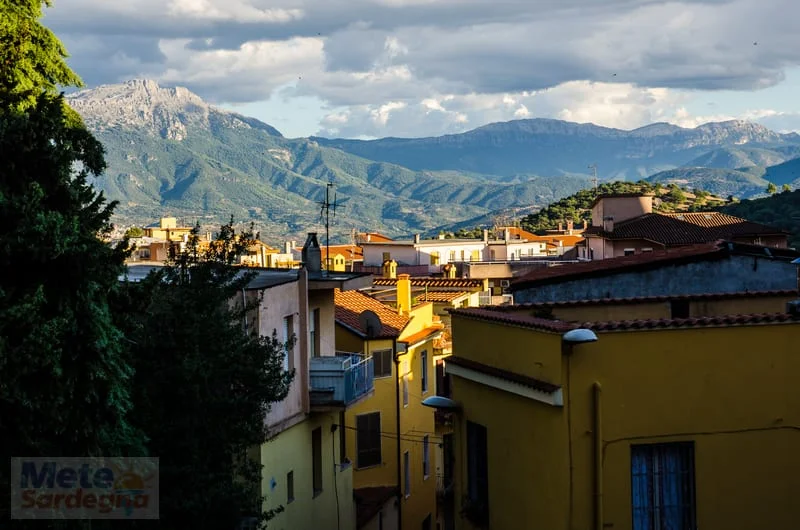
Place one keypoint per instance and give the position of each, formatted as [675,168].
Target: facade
[624,224]
[725,268]
[167,229]
[403,352]
[660,423]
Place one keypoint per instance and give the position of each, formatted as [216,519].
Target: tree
[65,381]
[786,188]
[772,188]
[133,232]
[203,385]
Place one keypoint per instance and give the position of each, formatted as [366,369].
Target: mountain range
[170,152]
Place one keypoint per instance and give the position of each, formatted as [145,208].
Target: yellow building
[402,349]
[660,422]
[167,230]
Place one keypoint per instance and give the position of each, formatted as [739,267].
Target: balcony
[340,381]
[444,488]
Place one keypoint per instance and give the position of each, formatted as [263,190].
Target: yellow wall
[732,391]
[291,451]
[648,310]
[416,420]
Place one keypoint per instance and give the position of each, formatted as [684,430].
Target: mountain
[785,173]
[552,147]
[169,152]
[722,182]
[740,157]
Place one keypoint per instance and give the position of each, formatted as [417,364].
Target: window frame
[290,487]
[407,474]
[372,430]
[655,478]
[423,379]
[378,363]
[426,457]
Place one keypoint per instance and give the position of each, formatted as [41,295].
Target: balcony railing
[340,380]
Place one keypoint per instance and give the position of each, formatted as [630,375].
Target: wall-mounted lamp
[441,403]
[579,336]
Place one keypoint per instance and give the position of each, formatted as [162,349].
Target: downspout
[397,430]
[598,458]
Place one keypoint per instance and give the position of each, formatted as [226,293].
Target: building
[443,293]
[641,422]
[625,224]
[167,229]
[402,346]
[724,267]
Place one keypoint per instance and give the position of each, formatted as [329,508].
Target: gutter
[397,435]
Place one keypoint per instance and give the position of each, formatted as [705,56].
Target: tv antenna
[593,167]
[328,207]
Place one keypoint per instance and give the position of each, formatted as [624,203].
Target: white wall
[323,299]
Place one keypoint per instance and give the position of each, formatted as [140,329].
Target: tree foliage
[204,381]
[781,210]
[772,188]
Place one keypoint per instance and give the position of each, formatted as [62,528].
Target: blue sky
[372,68]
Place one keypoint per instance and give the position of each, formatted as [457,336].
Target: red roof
[426,281]
[441,296]
[650,299]
[350,305]
[684,228]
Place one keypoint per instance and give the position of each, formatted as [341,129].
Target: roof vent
[680,216]
[707,215]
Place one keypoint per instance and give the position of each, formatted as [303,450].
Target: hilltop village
[601,374]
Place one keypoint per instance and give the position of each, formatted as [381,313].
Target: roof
[350,304]
[350,252]
[629,195]
[373,237]
[559,326]
[262,279]
[651,299]
[426,281]
[646,261]
[530,382]
[424,334]
[684,228]
[441,296]
[370,501]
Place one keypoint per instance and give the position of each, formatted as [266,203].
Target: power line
[417,438]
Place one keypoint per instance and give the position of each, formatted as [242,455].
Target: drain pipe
[397,435]
[598,458]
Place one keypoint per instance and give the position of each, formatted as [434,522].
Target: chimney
[390,269]
[416,238]
[560,226]
[449,271]
[485,235]
[585,224]
[608,224]
[403,294]
[569,227]
[506,234]
[288,247]
[312,255]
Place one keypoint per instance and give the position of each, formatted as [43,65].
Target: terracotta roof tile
[350,304]
[649,299]
[502,317]
[350,252]
[441,296]
[536,384]
[684,228]
[426,281]
[422,335]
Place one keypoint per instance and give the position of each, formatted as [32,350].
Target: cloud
[630,58]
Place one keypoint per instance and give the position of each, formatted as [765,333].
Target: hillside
[553,147]
[741,157]
[723,182]
[785,173]
[169,152]
[577,207]
[781,210]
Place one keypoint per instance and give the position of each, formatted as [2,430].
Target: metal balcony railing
[340,380]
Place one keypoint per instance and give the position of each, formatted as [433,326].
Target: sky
[415,68]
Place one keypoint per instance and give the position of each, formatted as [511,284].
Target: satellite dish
[370,322]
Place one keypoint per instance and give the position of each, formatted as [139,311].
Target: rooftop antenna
[328,207]
[593,167]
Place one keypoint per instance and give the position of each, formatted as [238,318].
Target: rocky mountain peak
[168,112]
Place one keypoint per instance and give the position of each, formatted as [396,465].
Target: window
[382,363]
[452,256]
[463,255]
[426,457]
[426,524]
[423,359]
[477,465]
[313,333]
[406,474]
[476,255]
[288,338]
[405,391]
[387,256]
[647,249]
[679,308]
[368,439]
[434,257]
[316,459]
[442,380]
[662,486]
[289,487]
[629,251]
[493,255]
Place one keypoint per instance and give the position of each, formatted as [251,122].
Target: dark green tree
[204,381]
[64,375]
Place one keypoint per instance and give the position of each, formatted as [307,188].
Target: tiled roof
[374,237]
[684,228]
[422,335]
[350,252]
[370,501]
[494,315]
[649,299]
[657,258]
[424,281]
[441,296]
[536,384]
[350,304]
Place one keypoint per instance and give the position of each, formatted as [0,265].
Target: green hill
[781,210]
[723,182]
